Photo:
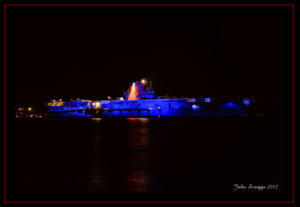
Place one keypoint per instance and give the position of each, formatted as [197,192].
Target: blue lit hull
[151,108]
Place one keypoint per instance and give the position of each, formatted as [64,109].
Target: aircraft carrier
[140,101]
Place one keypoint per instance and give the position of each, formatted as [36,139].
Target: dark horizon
[184,54]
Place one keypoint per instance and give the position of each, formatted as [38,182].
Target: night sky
[184,54]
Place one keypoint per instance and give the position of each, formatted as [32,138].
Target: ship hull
[151,108]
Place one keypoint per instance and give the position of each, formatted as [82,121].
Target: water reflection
[97,179]
[139,155]
[96,119]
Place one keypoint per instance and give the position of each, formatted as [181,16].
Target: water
[148,155]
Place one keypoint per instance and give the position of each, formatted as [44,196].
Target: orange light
[97,105]
[133,93]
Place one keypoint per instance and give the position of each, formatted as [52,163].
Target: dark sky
[185,55]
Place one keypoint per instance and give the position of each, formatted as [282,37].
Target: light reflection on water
[138,160]
[139,155]
[96,119]
[97,180]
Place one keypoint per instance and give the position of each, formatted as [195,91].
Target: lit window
[207,100]
[195,107]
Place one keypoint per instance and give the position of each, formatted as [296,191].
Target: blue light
[231,105]
[195,107]
[207,100]
[152,108]
[246,101]
[133,83]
